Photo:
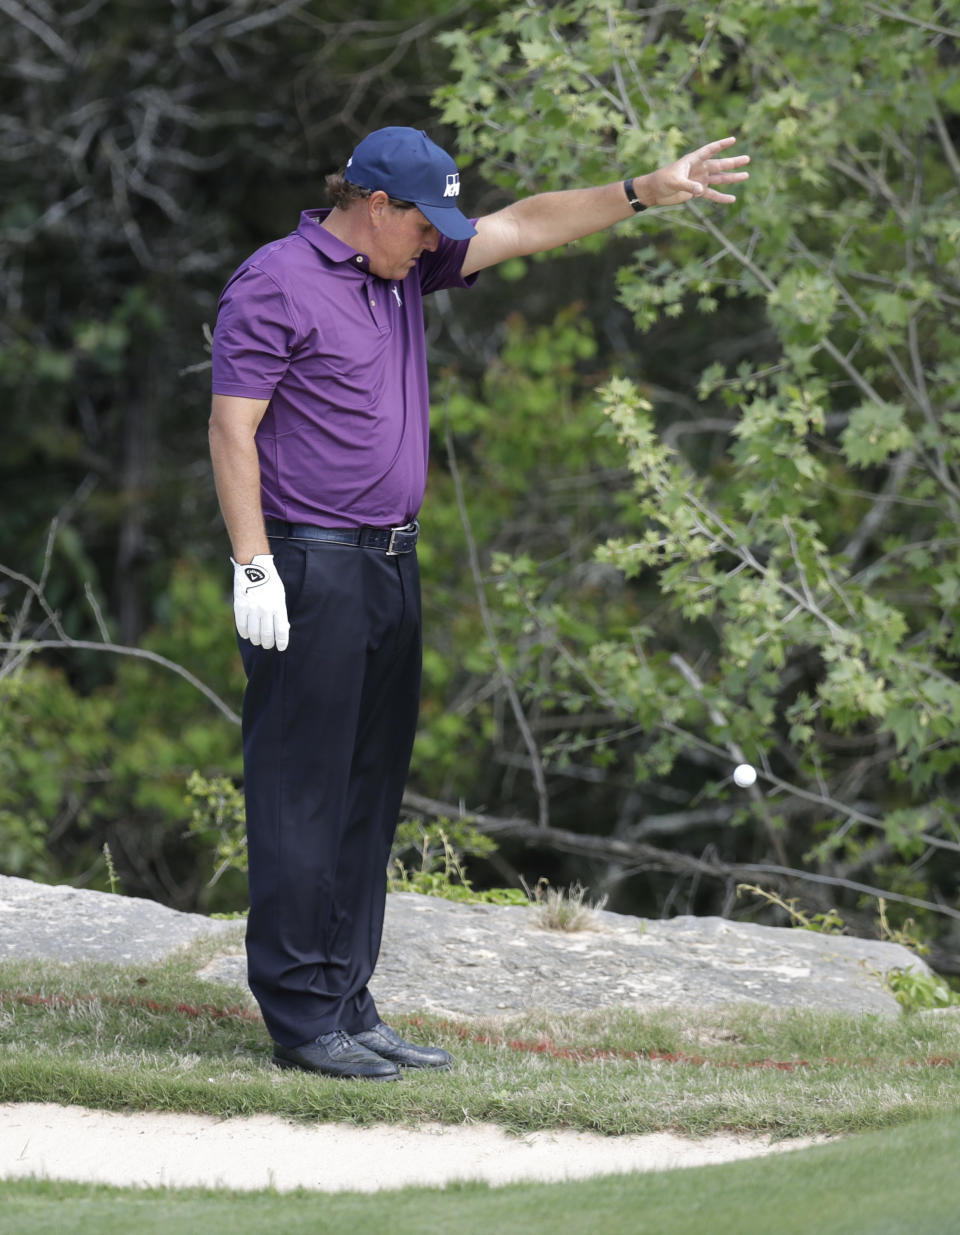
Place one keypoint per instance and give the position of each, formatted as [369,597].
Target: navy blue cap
[408,166]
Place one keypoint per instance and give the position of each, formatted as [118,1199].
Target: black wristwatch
[632,198]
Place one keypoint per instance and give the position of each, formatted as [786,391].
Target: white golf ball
[745,775]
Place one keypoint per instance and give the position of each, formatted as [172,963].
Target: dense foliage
[745,548]
[797,526]
[146,150]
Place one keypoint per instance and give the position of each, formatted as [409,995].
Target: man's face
[402,235]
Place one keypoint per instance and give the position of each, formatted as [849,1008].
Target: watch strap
[632,198]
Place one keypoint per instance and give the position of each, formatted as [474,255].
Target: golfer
[319,439]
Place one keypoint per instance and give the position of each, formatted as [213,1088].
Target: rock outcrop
[493,960]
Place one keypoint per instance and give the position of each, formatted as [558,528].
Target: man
[319,439]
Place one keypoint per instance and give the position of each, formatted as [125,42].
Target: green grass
[111,1037]
[901,1181]
[153,1038]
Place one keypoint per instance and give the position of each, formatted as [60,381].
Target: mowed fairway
[901,1181]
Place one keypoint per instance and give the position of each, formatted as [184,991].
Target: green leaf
[876,431]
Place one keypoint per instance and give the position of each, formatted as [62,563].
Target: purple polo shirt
[341,355]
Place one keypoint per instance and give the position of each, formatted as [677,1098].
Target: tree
[146,149]
[778,478]
[794,538]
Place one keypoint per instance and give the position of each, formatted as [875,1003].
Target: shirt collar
[332,247]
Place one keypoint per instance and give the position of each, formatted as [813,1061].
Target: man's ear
[378,204]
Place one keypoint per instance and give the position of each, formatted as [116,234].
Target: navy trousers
[328,728]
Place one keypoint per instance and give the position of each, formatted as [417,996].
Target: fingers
[711,193]
[264,629]
[729,177]
[282,630]
[248,620]
[712,148]
[720,171]
[259,604]
[726,165]
[699,172]
[252,627]
[266,632]
[697,189]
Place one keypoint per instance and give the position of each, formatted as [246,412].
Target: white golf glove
[260,603]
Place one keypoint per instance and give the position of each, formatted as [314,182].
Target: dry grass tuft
[567,909]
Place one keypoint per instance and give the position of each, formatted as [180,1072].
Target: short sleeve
[254,337]
[441,269]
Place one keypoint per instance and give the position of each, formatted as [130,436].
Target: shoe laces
[336,1041]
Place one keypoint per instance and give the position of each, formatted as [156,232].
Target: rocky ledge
[492,960]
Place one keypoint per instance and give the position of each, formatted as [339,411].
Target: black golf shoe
[336,1054]
[389,1045]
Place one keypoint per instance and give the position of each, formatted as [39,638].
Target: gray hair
[342,193]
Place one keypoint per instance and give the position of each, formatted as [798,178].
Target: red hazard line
[132,1001]
[541,1046]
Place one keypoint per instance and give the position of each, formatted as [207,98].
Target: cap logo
[453,185]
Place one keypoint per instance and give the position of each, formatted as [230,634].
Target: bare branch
[908,20]
[30,21]
[880,509]
[648,857]
[736,752]
[34,592]
[713,26]
[949,150]
[625,101]
[97,612]
[27,647]
[50,217]
[536,763]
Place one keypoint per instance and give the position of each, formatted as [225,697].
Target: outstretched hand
[695,176]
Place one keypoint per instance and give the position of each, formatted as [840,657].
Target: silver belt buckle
[408,529]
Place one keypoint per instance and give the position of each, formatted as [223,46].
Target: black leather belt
[392,540]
